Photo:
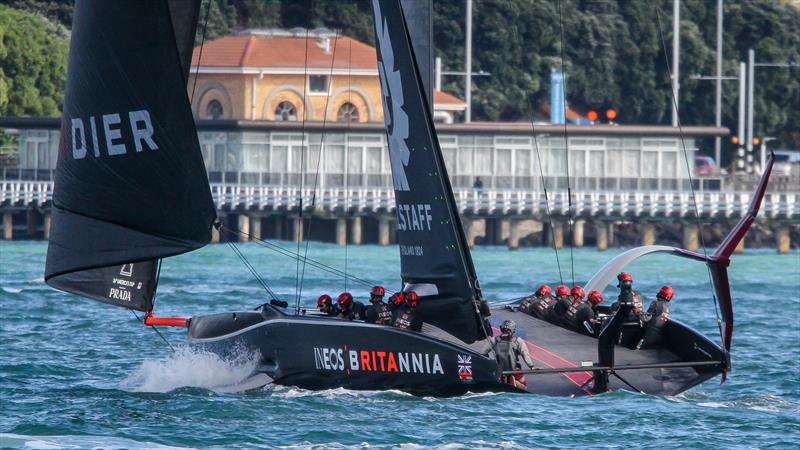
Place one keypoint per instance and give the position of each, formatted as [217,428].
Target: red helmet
[411,299]
[397,299]
[324,300]
[377,290]
[578,291]
[595,296]
[666,292]
[562,291]
[624,276]
[345,299]
[544,290]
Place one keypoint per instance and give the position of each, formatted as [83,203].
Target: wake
[192,367]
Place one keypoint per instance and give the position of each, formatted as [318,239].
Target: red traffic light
[592,115]
[611,114]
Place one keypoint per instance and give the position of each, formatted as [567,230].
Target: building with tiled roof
[280,75]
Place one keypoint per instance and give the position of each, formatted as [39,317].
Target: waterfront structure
[619,175]
[291,76]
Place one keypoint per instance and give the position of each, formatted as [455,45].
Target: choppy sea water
[78,374]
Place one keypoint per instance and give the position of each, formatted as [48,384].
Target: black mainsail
[434,257]
[130,184]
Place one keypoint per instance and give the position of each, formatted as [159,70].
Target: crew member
[509,349]
[527,303]
[407,319]
[542,306]
[632,325]
[585,320]
[575,302]
[396,302]
[326,306]
[657,316]
[560,306]
[378,312]
[349,309]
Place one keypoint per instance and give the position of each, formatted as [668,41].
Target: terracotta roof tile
[285,51]
[443,98]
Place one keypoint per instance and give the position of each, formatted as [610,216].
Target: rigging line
[688,168]
[200,55]
[515,33]
[566,144]
[303,144]
[251,268]
[154,329]
[312,262]
[319,163]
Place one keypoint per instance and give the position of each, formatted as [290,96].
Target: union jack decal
[465,368]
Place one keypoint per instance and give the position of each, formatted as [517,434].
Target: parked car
[704,165]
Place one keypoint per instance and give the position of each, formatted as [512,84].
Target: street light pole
[751,66]
[468,65]
[676,49]
[718,122]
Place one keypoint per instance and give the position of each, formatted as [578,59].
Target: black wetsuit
[542,306]
[656,319]
[331,311]
[378,313]
[407,319]
[527,304]
[355,312]
[632,327]
[581,318]
[559,310]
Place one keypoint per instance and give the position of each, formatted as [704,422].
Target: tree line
[613,52]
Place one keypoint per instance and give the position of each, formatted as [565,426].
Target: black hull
[315,353]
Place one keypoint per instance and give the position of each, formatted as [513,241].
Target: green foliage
[33,65]
[613,52]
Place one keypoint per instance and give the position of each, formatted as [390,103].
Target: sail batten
[433,251]
[130,183]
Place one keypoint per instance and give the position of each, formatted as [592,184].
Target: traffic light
[611,114]
[592,115]
[735,140]
[756,141]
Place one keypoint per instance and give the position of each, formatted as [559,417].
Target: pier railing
[712,205]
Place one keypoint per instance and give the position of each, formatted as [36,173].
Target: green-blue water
[78,374]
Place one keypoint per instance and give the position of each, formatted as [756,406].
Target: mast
[434,256]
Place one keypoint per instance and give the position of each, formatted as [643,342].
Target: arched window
[347,113]
[285,111]
[214,110]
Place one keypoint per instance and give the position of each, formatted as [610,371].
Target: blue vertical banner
[557,103]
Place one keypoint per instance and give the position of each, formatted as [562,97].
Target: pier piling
[255,228]
[48,218]
[244,228]
[649,233]
[577,233]
[8,226]
[601,229]
[784,238]
[690,236]
[383,230]
[341,231]
[356,234]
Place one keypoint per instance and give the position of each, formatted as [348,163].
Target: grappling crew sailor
[408,319]
[560,306]
[326,306]
[349,309]
[539,304]
[584,319]
[509,350]
[656,318]
[576,296]
[378,312]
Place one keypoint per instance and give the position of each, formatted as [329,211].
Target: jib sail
[130,184]
[434,257]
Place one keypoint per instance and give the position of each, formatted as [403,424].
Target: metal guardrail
[480,202]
